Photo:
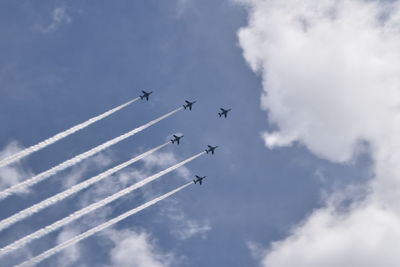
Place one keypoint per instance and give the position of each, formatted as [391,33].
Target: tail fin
[172,140]
[184,106]
[219,114]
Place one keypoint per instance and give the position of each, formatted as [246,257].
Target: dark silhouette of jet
[145,95]
[199,179]
[176,139]
[224,112]
[211,149]
[189,104]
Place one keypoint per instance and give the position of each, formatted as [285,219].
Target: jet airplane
[224,112]
[145,95]
[199,179]
[176,139]
[189,104]
[211,149]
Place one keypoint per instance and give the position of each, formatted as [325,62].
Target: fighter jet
[189,104]
[145,95]
[224,112]
[199,179]
[211,149]
[176,139]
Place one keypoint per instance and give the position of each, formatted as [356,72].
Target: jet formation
[30,211]
[176,139]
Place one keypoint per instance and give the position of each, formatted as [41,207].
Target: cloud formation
[165,159]
[133,249]
[183,227]
[331,82]
[15,173]
[72,254]
[59,17]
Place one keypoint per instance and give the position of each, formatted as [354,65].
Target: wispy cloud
[137,249]
[59,17]
[72,254]
[77,172]
[182,226]
[164,159]
[15,173]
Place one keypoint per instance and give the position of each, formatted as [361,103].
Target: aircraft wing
[200,182]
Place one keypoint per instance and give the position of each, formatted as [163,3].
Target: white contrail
[96,229]
[61,135]
[76,188]
[79,158]
[77,214]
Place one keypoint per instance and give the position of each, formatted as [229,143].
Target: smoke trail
[96,229]
[79,158]
[76,188]
[77,214]
[61,135]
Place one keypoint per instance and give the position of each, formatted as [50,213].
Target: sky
[306,171]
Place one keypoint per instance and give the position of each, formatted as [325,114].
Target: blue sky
[62,62]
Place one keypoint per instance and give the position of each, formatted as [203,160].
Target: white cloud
[151,164]
[324,84]
[331,79]
[97,162]
[184,227]
[59,16]
[256,250]
[70,255]
[367,236]
[166,159]
[132,249]
[15,173]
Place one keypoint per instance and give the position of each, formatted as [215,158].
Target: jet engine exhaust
[74,189]
[71,162]
[98,228]
[77,214]
[61,135]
